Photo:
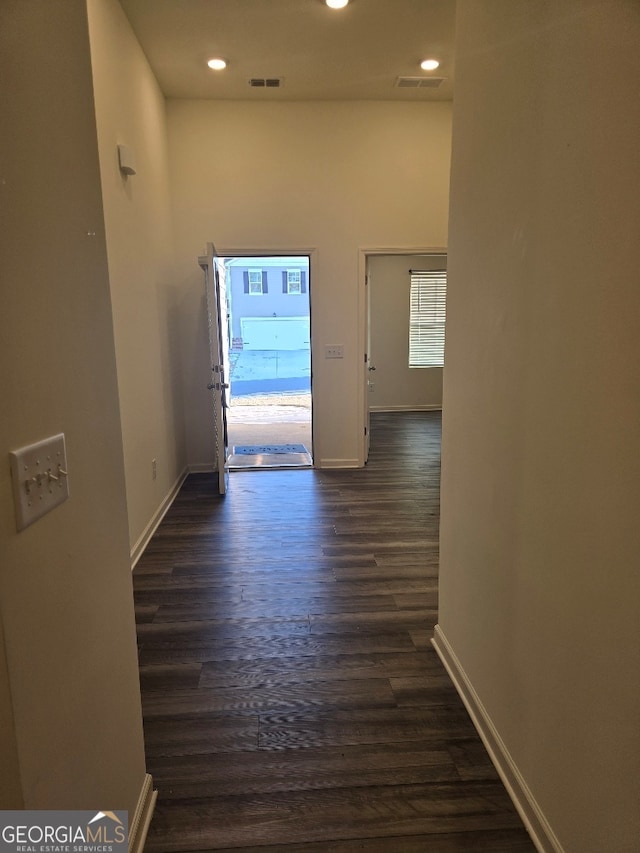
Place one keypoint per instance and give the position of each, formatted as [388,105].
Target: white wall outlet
[334,351]
[40,479]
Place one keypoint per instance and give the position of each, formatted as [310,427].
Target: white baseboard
[537,825]
[142,817]
[425,408]
[159,514]
[202,468]
[337,463]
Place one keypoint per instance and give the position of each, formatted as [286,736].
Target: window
[426,318]
[255,282]
[294,281]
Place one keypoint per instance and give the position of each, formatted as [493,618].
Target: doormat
[257,449]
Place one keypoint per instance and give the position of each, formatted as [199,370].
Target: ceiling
[321,53]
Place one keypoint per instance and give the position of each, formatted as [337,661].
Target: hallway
[292,700]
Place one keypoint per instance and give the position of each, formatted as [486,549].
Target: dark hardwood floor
[292,699]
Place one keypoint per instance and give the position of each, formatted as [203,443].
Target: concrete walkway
[268,423]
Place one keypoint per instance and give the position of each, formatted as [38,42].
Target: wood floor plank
[168,588]
[410,691]
[185,630]
[145,612]
[478,841]
[195,777]
[186,649]
[421,637]
[283,608]
[374,726]
[170,677]
[372,621]
[207,734]
[427,600]
[280,696]
[337,813]
[408,558]
[292,699]
[346,667]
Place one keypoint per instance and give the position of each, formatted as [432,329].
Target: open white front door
[218,352]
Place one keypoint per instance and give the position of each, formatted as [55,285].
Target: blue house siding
[273,302]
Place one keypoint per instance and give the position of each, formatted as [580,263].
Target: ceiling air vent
[266,82]
[419,82]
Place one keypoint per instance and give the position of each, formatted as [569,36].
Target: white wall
[130,109]
[541,417]
[329,176]
[10,783]
[66,603]
[396,385]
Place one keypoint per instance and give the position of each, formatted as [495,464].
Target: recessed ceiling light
[217,64]
[429,64]
[336,4]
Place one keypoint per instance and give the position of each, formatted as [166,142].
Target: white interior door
[217,323]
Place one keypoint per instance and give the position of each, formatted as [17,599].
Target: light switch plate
[40,479]
[334,351]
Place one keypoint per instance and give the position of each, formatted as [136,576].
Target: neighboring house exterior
[268,303]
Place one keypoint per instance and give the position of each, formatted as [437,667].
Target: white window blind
[426,318]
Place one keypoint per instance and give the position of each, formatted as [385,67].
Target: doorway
[389,382]
[269,401]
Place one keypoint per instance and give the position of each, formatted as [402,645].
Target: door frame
[276,252]
[363,328]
